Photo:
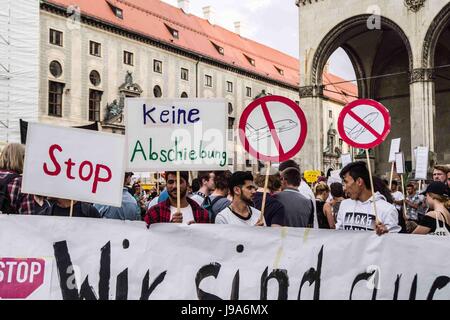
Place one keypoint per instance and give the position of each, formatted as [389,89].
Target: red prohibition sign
[364,123]
[283,155]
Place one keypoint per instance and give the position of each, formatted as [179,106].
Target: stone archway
[436,70]
[382,59]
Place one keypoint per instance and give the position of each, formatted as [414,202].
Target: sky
[271,22]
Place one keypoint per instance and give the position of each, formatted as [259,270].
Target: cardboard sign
[273,128]
[311,176]
[346,158]
[395,147]
[400,162]
[74,164]
[421,154]
[111,260]
[176,134]
[364,123]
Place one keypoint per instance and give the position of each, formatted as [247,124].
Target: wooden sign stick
[392,175]
[71,208]
[371,186]
[178,192]
[266,184]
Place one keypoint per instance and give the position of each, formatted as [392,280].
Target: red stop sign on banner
[19,278]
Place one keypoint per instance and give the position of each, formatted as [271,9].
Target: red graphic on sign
[364,123]
[272,129]
[19,278]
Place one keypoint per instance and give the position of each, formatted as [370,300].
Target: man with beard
[166,211]
[240,211]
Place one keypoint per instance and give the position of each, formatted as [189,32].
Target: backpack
[5,202]
[208,205]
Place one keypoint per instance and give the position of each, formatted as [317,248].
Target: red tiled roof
[150,17]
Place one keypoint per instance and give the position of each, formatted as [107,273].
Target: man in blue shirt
[129,209]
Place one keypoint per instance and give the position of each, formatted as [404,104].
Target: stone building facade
[401,55]
[93,57]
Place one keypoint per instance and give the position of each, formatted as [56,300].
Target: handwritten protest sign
[74,164]
[176,134]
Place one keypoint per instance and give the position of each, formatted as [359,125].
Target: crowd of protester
[223,197]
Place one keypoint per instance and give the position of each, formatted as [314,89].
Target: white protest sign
[176,134]
[163,262]
[395,147]
[74,164]
[421,154]
[346,158]
[400,162]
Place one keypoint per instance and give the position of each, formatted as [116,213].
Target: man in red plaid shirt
[166,211]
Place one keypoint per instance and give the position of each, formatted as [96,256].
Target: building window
[249,92]
[229,86]
[173,32]
[219,49]
[95,100]
[280,71]
[55,69]
[56,37]
[230,108]
[118,12]
[95,49]
[128,58]
[184,95]
[230,128]
[341,143]
[184,74]
[250,60]
[94,77]
[248,163]
[55,91]
[208,81]
[157,92]
[157,66]
[330,114]
[230,161]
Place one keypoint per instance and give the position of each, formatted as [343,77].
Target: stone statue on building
[113,110]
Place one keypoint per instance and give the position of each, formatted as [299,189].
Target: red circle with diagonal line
[363,113]
[283,155]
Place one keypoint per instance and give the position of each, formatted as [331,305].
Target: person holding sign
[240,211]
[166,211]
[357,213]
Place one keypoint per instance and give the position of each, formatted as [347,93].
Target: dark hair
[273,182]
[195,185]
[135,187]
[221,179]
[292,176]
[380,186]
[394,183]
[183,174]
[238,179]
[337,190]
[357,170]
[410,185]
[288,164]
[203,175]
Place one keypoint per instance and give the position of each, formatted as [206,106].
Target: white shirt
[226,216]
[398,196]
[188,215]
[357,215]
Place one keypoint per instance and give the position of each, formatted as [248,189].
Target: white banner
[400,162]
[111,259]
[176,134]
[74,164]
[346,158]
